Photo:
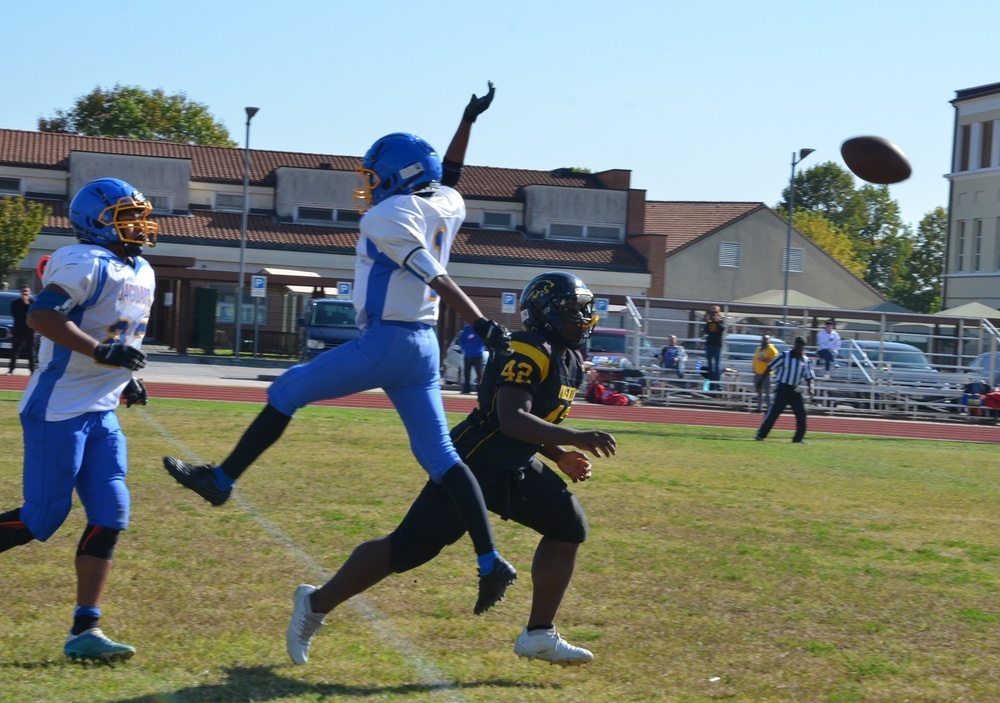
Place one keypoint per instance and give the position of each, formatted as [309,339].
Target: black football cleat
[493,585]
[200,479]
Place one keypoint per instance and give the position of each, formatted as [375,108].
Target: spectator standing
[472,353]
[713,330]
[762,356]
[790,368]
[22,336]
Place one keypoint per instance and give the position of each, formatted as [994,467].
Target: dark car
[328,322]
[6,321]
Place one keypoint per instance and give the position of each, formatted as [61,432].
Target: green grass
[718,568]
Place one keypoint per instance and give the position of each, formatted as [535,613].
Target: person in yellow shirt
[761,375]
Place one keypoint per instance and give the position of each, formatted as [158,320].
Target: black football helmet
[560,307]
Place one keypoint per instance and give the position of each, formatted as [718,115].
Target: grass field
[718,568]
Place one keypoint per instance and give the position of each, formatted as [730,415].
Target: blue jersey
[110,300]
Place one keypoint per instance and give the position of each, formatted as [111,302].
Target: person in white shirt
[92,314]
[828,345]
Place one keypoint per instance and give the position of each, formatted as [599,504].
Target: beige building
[972,250]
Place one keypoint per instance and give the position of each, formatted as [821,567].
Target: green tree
[828,237]
[129,112]
[829,190]
[926,264]
[20,223]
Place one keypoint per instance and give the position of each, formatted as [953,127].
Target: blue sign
[343,289]
[508,303]
[258,286]
[600,304]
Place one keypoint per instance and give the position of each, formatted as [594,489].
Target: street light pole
[251,111]
[803,153]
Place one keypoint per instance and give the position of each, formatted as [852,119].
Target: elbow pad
[424,266]
[451,173]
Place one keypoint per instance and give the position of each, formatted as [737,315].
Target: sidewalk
[167,366]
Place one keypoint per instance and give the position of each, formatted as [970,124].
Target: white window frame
[960,246]
[152,197]
[792,259]
[18,191]
[304,219]
[347,216]
[223,208]
[730,252]
[977,231]
[509,224]
[584,233]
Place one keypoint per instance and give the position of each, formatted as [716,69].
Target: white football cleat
[549,646]
[303,625]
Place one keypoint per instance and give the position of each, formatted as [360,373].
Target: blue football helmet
[560,307]
[110,211]
[397,164]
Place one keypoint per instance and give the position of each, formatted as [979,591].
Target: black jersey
[535,366]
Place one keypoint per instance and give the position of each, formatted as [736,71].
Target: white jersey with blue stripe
[110,300]
[384,289]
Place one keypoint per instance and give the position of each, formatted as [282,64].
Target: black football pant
[784,396]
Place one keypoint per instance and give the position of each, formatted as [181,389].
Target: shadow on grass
[261,683]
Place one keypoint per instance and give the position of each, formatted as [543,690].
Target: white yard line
[428,672]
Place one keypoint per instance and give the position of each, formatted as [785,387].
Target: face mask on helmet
[397,164]
[560,307]
[109,211]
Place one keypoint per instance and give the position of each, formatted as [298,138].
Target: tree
[829,190]
[20,223]
[129,112]
[828,237]
[927,263]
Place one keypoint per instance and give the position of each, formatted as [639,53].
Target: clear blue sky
[701,101]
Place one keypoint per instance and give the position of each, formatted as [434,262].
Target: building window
[348,215]
[160,203]
[986,146]
[497,220]
[977,229]
[729,254]
[558,230]
[228,202]
[964,146]
[315,214]
[10,185]
[960,249]
[792,260]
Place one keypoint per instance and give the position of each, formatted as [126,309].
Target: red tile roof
[681,222]
[225,165]
[471,245]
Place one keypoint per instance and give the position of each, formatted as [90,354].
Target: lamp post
[251,111]
[803,153]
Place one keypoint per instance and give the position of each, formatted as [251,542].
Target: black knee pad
[98,542]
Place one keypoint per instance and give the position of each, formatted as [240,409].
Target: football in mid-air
[876,160]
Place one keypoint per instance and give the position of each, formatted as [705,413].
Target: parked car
[6,321]
[453,368]
[328,323]
[608,346]
[981,367]
[737,351]
[896,364]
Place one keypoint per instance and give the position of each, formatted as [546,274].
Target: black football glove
[134,393]
[108,354]
[478,106]
[495,336]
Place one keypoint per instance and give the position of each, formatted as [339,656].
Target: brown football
[876,160]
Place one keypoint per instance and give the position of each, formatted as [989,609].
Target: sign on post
[600,305]
[508,303]
[258,286]
[344,290]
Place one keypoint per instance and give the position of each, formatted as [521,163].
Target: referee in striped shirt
[789,368]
